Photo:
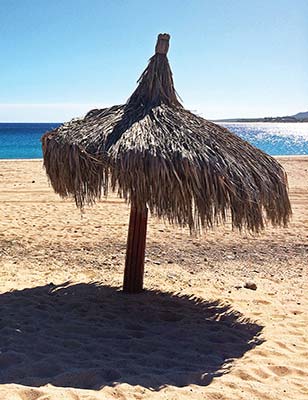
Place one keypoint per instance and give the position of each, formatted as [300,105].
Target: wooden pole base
[135,250]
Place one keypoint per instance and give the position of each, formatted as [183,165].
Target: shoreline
[257,122]
[20,159]
[283,156]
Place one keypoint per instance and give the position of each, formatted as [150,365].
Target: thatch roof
[151,150]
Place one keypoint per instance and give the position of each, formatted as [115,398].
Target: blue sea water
[23,140]
[276,139]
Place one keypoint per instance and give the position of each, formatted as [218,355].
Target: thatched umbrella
[158,155]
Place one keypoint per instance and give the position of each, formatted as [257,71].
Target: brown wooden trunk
[135,250]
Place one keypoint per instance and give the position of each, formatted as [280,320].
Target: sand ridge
[67,332]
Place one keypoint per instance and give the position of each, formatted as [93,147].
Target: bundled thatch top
[156,153]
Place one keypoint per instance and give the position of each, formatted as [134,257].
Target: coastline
[283,156]
[20,159]
[248,121]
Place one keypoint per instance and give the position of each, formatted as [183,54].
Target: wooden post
[135,250]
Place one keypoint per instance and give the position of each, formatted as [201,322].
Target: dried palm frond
[188,170]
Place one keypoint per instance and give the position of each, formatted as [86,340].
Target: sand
[68,332]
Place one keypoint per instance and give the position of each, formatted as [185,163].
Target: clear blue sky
[230,58]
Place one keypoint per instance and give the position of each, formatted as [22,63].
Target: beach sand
[67,332]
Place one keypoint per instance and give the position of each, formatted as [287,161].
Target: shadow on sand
[89,335]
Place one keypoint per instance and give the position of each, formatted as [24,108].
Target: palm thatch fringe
[152,151]
[188,171]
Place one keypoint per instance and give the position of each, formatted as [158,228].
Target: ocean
[276,139]
[23,140]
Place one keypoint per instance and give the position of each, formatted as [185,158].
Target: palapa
[158,155]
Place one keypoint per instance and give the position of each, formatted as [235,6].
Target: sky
[230,58]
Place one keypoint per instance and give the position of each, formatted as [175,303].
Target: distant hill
[299,117]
